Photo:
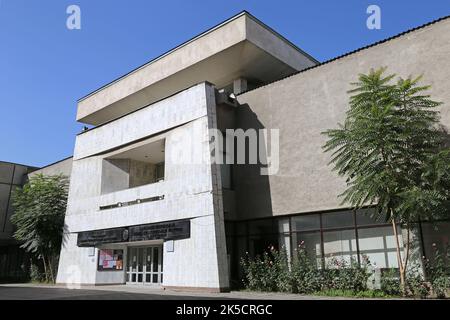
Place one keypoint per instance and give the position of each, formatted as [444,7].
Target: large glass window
[379,245]
[306,222]
[436,238]
[340,245]
[263,226]
[311,243]
[339,219]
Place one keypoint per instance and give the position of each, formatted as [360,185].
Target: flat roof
[241,46]
[244,12]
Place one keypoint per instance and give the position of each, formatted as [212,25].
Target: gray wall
[11,176]
[63,167]
[304,105]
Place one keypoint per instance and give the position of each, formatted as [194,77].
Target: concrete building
[149,203]
[13,260]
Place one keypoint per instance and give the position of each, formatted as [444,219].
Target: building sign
[96,237]
[172,230]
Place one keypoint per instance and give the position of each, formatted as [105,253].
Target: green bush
[390,282]
[438,273]
[306,277]
[343,275]
[35,273]
[416,284]
[274,272]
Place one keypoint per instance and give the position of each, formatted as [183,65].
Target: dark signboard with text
[170,230]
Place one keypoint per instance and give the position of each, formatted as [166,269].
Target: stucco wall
[189,189]
[63,167]
[304,105]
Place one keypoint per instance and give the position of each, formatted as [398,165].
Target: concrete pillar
[239,85]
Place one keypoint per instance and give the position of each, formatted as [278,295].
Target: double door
[144,265]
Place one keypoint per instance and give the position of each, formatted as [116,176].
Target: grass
[353,294]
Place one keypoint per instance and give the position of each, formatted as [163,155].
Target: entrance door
[144,265]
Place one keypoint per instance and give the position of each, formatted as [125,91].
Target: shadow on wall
[253,197]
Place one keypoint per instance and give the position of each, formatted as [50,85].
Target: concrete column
[239,85]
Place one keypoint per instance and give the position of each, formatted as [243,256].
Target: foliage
[390,282]
[343,275]
[39,217]
[353,294]
[306,276]
[35,274]
[416,284]
[392,152]
[273,272]
[438,272]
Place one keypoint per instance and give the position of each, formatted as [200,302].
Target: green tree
[391,150]
[39,218]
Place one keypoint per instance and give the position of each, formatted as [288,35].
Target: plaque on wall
[96,237]
[170,230]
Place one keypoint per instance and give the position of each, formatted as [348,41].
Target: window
[306,222]
[339,219]
[133,168]
[264,226]
[363,217]
[378,244]
[311,243]
[110,260]
[159,171]
[339,244]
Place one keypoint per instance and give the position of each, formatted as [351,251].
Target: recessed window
[134,168]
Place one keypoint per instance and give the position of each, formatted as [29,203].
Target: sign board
[171,230]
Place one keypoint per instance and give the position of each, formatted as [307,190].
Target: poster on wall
[110,260]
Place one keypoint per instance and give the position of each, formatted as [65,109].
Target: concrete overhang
[241,47]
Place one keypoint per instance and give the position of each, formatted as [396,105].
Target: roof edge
[198,36]
[353,52]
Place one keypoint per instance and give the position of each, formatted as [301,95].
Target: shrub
[438,273]
[260,273]
[306,277]
[416,284]
[274,272]
[390,282]
[344,275]
[35,273]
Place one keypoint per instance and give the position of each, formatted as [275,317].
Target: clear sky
[45,67]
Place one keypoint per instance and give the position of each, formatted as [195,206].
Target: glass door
[144,265]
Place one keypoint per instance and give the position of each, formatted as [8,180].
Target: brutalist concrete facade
[186,224]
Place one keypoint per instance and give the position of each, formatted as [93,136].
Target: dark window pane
[260,226]
[363,217]
[337,219]
[229,228]
[240,228]
[436,239]
[306,222]
[259,244]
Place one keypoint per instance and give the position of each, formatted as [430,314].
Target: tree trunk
[50,264]
[399,257]
[45,267]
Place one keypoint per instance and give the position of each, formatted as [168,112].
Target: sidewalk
[186,294]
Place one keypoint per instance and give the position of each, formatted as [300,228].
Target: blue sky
[45,68]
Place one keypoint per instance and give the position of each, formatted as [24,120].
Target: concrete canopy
[241,47]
